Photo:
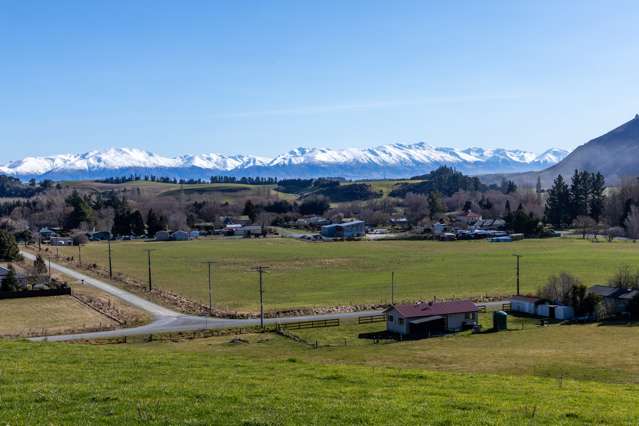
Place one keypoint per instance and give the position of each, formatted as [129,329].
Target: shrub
[8,247]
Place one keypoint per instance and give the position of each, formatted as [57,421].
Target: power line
[261,270]
[210,263]
[148,253]
[392,288]
[518,256]
[110,263]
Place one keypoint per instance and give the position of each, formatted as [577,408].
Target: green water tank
[500,320]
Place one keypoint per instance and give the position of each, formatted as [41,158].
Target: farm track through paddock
[306,274]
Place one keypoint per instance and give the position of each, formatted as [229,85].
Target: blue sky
[264,77]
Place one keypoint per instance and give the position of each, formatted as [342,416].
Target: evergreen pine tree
[121,224]
[250,210]
[579,190]
[558,203]
[136,223]
[81,211]
[154,223]
[597,197]
[538,185]
[39,266]
[9,250]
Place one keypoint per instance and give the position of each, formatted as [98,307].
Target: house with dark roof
[430,318]
[615,299]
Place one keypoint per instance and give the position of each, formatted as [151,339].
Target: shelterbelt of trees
[128,207]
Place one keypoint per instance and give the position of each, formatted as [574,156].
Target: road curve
[145,305]
[166,320]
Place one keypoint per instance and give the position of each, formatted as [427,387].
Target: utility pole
[110,263]
[210,265]
[517,256]
[148,255]
[49,268]
[392,288]
[261,270]
[80,254]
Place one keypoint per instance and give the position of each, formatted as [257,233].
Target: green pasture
[538,375]
[309,274]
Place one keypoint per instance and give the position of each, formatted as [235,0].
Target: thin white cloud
[369,105]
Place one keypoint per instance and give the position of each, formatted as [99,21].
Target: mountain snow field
[392,161]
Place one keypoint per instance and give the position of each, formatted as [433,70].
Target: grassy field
[582,352]
[386,186]
[316,274]
[220,191]
[272,380]
[48,315]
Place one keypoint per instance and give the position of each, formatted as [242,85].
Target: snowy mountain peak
[552,156]
[394,160]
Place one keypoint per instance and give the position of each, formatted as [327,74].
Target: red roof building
[429,318]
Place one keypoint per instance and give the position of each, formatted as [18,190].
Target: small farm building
[439,228]
[46,233]
[61,241]
[559,312]
[354,229]
[250,231]
[163,236]
[3,273]
[100,236]
[181,236]
[540,307]
[430,318]
[525,304]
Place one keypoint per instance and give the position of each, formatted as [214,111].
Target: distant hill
[615,155]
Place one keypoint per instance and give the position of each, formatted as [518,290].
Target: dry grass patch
[40,316]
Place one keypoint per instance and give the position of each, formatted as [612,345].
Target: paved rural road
[164,319]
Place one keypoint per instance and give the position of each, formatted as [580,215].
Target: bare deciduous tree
[416,207]
[615,232]
[559,287]
[585,224]
[632,223]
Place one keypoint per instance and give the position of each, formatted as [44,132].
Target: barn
[163,236]
[353,229]
[181,236]
[525,304]
[430,318]
[558,312]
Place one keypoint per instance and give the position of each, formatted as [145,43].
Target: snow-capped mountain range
[390,161]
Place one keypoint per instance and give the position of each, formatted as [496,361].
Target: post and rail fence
[370,319]
[301,325]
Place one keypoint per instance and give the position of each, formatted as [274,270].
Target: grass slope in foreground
[65,384]
[316,274]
